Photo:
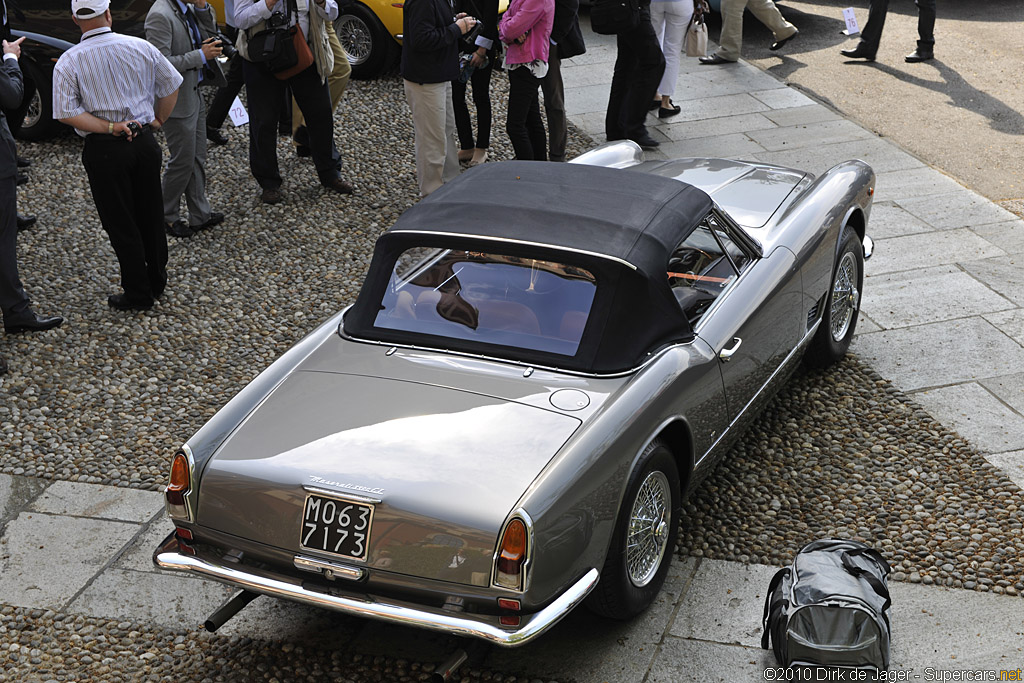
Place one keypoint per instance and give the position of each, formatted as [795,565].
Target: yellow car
[371,33]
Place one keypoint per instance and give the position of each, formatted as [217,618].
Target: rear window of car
[489,298]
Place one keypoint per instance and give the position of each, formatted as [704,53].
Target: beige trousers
[336,82]
[732,24]
[437,143]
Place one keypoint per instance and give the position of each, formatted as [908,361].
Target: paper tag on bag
[239,116]
[851,22]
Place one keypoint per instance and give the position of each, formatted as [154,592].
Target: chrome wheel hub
[354,35]
[649,522]
[35,111]
[845,297]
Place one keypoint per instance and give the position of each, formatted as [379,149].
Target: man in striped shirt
[106,87]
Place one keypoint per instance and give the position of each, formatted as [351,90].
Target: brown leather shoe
[339,186]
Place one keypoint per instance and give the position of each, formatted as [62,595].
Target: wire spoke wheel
[34,113]
[649,522]
[845,297]
[355,37]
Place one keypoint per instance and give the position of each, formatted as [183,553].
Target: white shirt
[248,14]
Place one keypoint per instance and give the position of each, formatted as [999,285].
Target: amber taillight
[512,555]
[177,487]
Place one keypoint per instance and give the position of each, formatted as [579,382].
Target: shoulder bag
[695,41]
[283,49]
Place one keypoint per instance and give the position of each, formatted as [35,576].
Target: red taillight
[508,603]
[183,533]
[513,548]
[508,621]
[179,483]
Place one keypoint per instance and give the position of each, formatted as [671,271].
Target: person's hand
[270,4]
[211,48]
[521,39]
[13,48]
[477,60]
[466,24]
[121,129]
[460,15]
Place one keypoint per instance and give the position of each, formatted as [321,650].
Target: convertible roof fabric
[636,217]
[619,224]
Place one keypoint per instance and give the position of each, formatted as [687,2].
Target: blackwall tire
[842,305]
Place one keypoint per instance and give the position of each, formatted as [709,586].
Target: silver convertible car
[542,361]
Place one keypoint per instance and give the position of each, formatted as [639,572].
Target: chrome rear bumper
[481,626]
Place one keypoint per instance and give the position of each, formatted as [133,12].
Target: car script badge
[345,485]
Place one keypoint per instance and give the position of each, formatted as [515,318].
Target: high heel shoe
[479,157]
[465,155]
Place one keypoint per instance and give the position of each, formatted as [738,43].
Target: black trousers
[226,94]
[872,33]
[639,66]
[125,181]
[524,125]
[481,82]
[13,299]
[265,94]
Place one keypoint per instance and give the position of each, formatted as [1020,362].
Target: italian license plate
[336,526]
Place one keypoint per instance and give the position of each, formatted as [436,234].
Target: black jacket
[430,43]
[487,12]
[11,94]
[565,32]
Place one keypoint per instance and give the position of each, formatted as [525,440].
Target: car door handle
[726,354]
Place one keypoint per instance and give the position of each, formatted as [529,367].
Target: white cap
[89,9]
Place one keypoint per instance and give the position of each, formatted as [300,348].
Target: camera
[134,127]
[472,34]
[278,20]
[227,48]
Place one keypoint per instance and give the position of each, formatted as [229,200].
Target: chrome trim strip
[311,564]
[524,243]
[799,347]
[190,513]
[334,493]
[485,627]
[524,516]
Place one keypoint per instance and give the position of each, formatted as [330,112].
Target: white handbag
[695,42]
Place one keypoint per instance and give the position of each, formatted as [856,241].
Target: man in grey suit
[17,310]
[182,34]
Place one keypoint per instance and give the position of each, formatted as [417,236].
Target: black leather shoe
[779,44]
[122,303]
[671,110]
[3,366]
[339,186]
[271,195]
[179,228]
[23,162]
[216,218]
[714,59]
[30,321]
[654,105]
[860,52]
[919,55]
[21,179]
[215,136]
[25,222]
[646,141]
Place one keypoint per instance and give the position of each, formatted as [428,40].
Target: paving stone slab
[707,128]
[865,324]
[46,559]
[940,354]
[101,502]
[586,99]
[715,107]
[16,492]
[880,154]
[723,603]
[272,619]
[927,295]
[701,85]
[809,135]
[138,556]
[1011,463]
[693,661]
[1008,236]
[784,98]
[163,599]
[930,249]
[736,146]
[914,182]
[592,74]
[977,415]
[958,209]
[1003,274]
[588,648]
[888,220]
[795,116]
[1009,390]
[1010,323]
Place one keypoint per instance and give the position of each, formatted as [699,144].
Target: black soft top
[619,224]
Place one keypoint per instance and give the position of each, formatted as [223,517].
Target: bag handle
[872,554]
[772,587]
[872,580]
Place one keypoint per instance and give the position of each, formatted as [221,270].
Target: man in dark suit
[566,42]
[639,65]
[871,36]
[17,309]
[16,115]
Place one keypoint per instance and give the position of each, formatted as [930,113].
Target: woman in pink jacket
[526,30]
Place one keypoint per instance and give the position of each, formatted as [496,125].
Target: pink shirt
[535,16]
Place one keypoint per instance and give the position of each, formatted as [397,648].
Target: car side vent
[812,315]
